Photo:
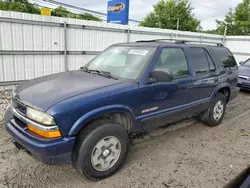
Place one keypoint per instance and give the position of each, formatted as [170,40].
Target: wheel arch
[121,114]
[225,89]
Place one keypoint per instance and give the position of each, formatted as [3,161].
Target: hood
[48,90]
[244,70]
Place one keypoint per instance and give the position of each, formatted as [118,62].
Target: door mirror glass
[159,75]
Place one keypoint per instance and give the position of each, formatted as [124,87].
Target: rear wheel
[100,149]
[216,110]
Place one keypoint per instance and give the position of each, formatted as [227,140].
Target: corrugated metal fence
[32,45]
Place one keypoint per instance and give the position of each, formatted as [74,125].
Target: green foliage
[19,6]
[166,13]
[25,6]
[87,16]
[63,12]
[237,22]
[242,18]
[229,22]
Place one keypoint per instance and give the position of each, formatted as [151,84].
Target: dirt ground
[187,154]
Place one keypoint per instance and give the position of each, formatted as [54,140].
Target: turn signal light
[45,134]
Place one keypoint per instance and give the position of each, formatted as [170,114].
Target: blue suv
[87,116]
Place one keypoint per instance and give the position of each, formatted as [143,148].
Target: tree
[25,6]
[63,12]
[60,12]
[167,12]
[87,16]
[238,22]
[242,18]
[20,6]
[229,22]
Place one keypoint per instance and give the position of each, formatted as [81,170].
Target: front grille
[21,108]
[245,84]
[19,122]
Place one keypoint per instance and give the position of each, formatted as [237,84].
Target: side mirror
[241,62]
[159,75]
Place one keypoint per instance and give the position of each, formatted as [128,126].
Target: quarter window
[174,60]
[225,56]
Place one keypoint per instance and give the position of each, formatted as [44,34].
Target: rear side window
[199,60]
[226,57]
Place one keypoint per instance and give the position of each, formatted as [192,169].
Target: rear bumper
[56,151]
[234,93]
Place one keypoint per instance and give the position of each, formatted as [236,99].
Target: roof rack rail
[202,42]
[180,41]
[158,40]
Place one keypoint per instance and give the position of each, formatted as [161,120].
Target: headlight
[39,116]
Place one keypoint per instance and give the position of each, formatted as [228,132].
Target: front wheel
[216,110]
[100,152]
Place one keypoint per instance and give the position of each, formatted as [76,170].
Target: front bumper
[53,151]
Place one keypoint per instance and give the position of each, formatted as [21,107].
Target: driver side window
[174,60]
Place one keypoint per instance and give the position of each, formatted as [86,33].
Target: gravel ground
[5,96]
[187,154]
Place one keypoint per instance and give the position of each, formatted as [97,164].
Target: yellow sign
[45,12]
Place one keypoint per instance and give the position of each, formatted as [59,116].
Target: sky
[205,10]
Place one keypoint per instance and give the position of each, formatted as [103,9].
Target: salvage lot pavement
[187,154]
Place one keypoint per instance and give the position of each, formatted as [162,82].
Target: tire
[215,114]
[102,140]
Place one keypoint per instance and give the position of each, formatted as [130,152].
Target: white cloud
[205,10]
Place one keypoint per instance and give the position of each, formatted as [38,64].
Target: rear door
[206,76]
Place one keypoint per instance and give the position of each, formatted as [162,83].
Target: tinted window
[210,62]
[225,57]
[174,60]
[199,60]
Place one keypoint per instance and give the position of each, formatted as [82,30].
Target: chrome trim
[244,77]
[35,124]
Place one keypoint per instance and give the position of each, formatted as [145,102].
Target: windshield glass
[122,61]
[247,63]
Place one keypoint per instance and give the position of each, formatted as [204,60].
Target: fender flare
[83,120]
[223,85]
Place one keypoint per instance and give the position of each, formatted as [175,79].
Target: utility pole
[225,34]
[177,26]
[178,23]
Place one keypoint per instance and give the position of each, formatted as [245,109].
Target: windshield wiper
[85,69]
[108,74]
[99,72]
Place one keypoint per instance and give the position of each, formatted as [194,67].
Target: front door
[164,102]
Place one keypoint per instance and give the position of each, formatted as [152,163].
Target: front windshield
[122,61]
[247,63]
